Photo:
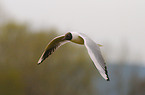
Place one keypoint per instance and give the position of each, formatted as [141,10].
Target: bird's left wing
[51,47]
[96,56]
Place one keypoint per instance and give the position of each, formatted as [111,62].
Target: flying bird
[79,38]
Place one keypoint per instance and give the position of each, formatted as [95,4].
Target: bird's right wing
[51,47]
[96,56]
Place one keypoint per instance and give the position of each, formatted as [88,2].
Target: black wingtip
[108,79]
[106,72]
[38,63]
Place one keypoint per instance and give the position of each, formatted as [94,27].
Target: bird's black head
[68,36]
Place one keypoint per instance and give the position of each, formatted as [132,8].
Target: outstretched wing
[51,47]
[96,56]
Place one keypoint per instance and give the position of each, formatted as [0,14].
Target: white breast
[76,38]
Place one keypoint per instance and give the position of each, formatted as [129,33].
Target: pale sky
[114,23]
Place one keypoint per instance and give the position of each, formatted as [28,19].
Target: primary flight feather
[79,38]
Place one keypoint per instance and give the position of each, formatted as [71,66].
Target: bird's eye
[68,36]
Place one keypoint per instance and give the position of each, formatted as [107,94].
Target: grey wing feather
[51,47]
[96,56]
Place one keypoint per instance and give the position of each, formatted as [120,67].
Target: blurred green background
[20,49]
[69,71]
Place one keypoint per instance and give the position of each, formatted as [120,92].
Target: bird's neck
[77,39]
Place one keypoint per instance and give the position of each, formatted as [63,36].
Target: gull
[78,38]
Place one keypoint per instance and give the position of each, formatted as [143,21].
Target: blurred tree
[20,49]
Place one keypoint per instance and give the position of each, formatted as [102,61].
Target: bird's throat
[78,40]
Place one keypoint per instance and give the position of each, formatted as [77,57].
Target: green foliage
[67,72]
